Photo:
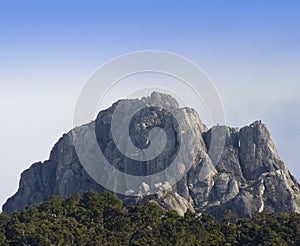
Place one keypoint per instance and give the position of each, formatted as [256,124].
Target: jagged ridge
[250,176]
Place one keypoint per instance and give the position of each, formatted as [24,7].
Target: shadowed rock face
[249,177]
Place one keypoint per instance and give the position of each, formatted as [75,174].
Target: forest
[101,219]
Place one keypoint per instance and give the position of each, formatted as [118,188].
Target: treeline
[101,220]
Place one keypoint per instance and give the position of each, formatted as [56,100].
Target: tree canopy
[100,219]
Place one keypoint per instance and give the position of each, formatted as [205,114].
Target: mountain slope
[249,177]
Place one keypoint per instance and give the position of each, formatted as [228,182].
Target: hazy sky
[250,49]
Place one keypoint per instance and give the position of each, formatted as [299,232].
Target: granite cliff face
[249,176]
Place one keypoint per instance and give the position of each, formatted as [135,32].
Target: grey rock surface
[248,176]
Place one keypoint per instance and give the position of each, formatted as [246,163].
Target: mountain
[246,176]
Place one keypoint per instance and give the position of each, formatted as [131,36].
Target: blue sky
[250,49]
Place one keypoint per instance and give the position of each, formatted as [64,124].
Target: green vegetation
[101,220]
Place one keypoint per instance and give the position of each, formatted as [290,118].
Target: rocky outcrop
[247,177]
[62,174]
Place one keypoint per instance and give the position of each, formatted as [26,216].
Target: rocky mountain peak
[258,152]
[161,100]
[247,177]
